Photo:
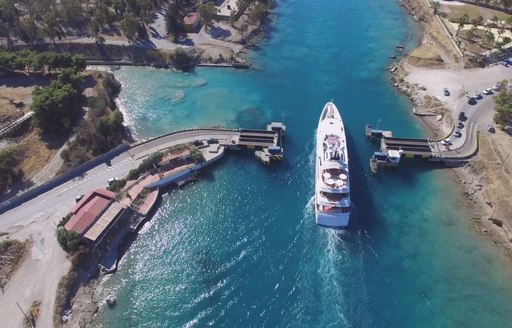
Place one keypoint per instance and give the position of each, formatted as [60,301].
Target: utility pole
[26,317]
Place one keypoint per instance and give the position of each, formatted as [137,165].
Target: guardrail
[182,131]
[36,191]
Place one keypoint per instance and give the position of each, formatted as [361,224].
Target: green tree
[471,33]
[9,13]
[101,15]
[28,29]
[78,63]
[130,26]
[56,107]
[258,13]
[462,21]
[174,22]
[71,77]
[9,158]
[68,240]
[503,108]
[489,37]
[51,26]
[71,12]
[180,58]
[196,154]
[207,12]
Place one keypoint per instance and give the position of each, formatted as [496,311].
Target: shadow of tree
[217,32]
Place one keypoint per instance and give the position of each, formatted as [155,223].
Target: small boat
[332,187]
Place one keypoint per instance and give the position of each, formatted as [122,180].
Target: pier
[393,149]
[411,147]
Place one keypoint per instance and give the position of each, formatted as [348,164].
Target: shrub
[68,240]
[64,220]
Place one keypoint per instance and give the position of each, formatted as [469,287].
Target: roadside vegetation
[503,108]
[12,255]
[145,166]
[482,26]
[38,62]
[102,129]
[58,111]
[69,240]
[31,21]
[9,160]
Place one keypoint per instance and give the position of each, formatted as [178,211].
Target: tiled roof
[190,18]
[87,211]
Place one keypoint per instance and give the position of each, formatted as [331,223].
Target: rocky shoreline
[484,206]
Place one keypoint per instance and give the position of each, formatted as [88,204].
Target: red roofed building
[89,209]
[191,22]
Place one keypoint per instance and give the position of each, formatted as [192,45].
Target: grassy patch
[12,255]
[473,12]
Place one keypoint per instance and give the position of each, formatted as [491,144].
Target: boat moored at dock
[332,187]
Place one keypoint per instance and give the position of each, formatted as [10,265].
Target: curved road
[61,198]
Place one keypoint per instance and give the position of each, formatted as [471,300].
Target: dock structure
[376,134]
[392,149]
[257,138]
[410,147]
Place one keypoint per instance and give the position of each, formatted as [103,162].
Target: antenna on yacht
[378,123]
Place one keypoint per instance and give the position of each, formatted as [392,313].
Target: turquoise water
[240,248]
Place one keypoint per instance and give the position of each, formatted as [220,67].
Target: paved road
[58,201]
[479,114]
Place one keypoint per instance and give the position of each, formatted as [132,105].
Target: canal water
[240,248]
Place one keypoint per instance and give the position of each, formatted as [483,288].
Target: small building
[88,209]
[192,21]
[95,215]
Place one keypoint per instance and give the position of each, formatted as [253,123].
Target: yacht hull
[332,186]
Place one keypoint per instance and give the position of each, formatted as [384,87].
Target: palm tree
[501,30]
[489,37]
[471,33]
[462,21]
[495,20]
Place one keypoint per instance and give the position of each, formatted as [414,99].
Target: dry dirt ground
[34,152]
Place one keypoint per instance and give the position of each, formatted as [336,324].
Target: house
[192,21]
[95,215]
[88,209]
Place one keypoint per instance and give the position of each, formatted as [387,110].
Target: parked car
[446,92]
[462,115]
[477,95]
[111,180]
[460,125]
[78,198]
[490,128]
[488,91]
[446,142]
[457,134]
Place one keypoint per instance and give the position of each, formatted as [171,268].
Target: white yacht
[332,187]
